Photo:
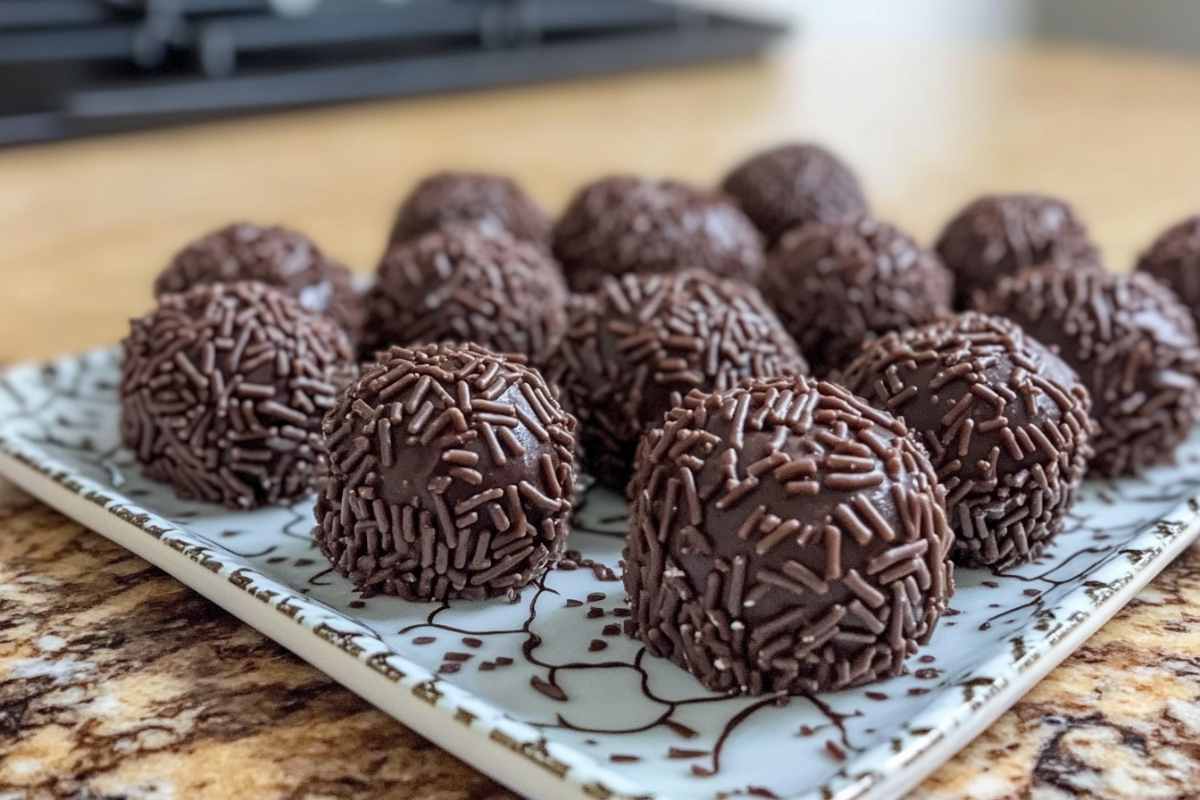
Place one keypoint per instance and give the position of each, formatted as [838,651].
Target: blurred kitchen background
[75,67]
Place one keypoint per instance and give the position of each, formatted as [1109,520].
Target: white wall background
[909,19]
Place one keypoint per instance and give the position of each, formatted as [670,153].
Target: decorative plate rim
[28,465]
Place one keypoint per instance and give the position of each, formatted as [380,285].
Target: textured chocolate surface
[1174,259]
[794,184]
[451,475]
[635,348]
[999,235]
[624,224]
[1004,420]
[275,256]
[495,202]
[223,389]
[785,537]
[838,285]
[463,284]
[1134,346]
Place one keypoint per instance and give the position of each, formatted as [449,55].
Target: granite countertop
[118,681]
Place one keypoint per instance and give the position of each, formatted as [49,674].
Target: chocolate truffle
[837,285]
[223,389]
[1134,346]
[785,537]
[493,202]
[451,475]
[460,283]
[792,185]
[998,235]
[275,256]
[1004,420]
[1174,259]
[624,224]
[637,346]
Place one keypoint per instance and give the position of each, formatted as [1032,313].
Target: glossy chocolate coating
[223,389]
[999,235]
[494,202]
[462,284]
[838,285]
[451,474]
[1005,422]
[276,256]
[792,185]
[785,537]
[636,347]
[1134,346]
[1174,259]
[623,224]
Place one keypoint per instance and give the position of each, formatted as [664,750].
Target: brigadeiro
[1174,259]
[275,256]
[999,235]
[451,475]
[636,347]
[223,389]
[792,185]
[1005,422]
[461,283]
[1134,346]
[494,202]
[624,224]
[837,285]
[785,537]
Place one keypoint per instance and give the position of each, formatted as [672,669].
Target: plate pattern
[553,679]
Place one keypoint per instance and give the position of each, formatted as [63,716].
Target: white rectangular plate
[608,720]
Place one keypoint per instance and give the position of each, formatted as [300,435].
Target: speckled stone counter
[117,681]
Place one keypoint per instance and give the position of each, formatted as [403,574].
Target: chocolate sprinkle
[548,689]
[458,284]
[794,184]
[683,752]
[1134,346]
[999,235]
[636,347]
[276,256]
[838,285]
[1004,419]
[222,392]
[493,202]
[451,475]
[596,645]
[785,537]
[624,224]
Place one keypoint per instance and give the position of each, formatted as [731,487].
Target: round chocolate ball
[785,537]
[636,347]
[624,224]
[275,256]
[792,185]
[1174,259]
[998,235]
[1134,346]
[223,389]
[494,202]
[450,475]
[1005,422]
[837,285]
[462,284]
